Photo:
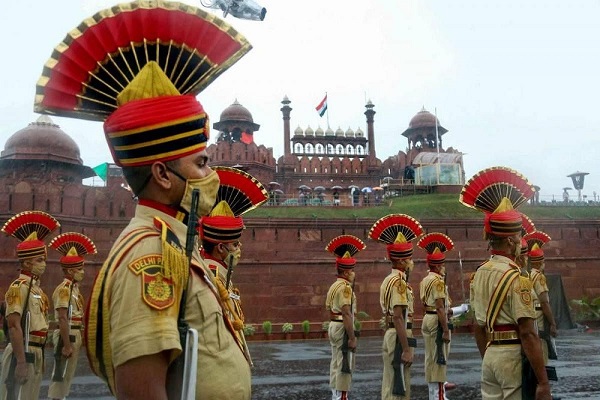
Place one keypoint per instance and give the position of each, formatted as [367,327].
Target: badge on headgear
[397,231]
[138,66]
[30,227]
[497,192]
[73,246]
[436,244]
[345,247]
[239,192]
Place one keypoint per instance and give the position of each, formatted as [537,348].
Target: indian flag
[322,107]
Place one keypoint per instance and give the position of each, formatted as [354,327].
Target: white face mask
[208,186]
[38,267]
[233,256]
[78,276]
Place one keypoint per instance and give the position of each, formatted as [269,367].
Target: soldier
[68,310]
[435,328]
[500,296]
[26,308]
[545,321]
[396,299]
[220,233]
[143,81]
[341,304]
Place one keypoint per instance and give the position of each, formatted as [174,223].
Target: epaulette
[18,282]
[175,262]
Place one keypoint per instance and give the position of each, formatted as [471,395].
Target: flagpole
[437,145]
[327,111]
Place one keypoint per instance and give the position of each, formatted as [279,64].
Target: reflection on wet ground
[297,370]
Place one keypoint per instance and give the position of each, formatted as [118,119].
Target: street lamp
[243,9]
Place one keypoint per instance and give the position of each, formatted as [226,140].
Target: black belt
[538,308]
[509,341]
[335,320]
[430,312]
[34,344]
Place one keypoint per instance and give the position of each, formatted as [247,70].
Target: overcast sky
[514,82]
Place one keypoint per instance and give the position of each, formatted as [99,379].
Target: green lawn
[427,206]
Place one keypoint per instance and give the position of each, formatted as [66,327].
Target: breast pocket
[205,314]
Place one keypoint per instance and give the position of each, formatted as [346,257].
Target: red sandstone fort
[285,272]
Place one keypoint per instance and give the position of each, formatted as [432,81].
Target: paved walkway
[299,370]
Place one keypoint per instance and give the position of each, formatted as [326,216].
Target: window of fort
[319,148]
[304,169]
[309,148]
[329,148]
[339,149]
[360,150]
[349,149]
[298,148]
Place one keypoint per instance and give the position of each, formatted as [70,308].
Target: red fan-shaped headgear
[31,227]
[397,231]
[73,246]
[436,244]
[345,247]
[497,192]
[239,192]
[535,241]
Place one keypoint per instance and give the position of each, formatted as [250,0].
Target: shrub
[2,337]
[362,316]
[267,327]
[249,330]
[306,326]
[287,327]
[357,325]
[586,309]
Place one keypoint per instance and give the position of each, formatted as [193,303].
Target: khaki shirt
[518,302]
[340,294]
[539,286]
[16,297]
[393,292]
[143,306]
[431,288]
[60,299]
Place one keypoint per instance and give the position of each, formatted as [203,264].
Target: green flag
[102,171]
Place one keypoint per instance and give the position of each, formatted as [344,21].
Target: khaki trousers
[501,373]
[338,380]
[389,343]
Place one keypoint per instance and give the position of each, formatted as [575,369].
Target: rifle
[227,283]
[181,375]
[399,388]
[551,344]
[529,380]
[60,368]
[346,352]
[13,390]
[440,357]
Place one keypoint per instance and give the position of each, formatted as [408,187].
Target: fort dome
[42,140]
[236,112]
[423,119]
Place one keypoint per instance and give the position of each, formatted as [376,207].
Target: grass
[426,206]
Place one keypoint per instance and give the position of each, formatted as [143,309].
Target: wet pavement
[298,369]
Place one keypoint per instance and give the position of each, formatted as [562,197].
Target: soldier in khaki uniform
[68,310]
[500,296]
[154,278]
[434,296]
[26,308]
[396,300]
[220,233]
[545,321]
[341,305]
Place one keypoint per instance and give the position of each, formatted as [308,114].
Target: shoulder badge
[400,286]
[13,295]
[440,287]
[63,293]
[524,289]
[157,289]
[347,292]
